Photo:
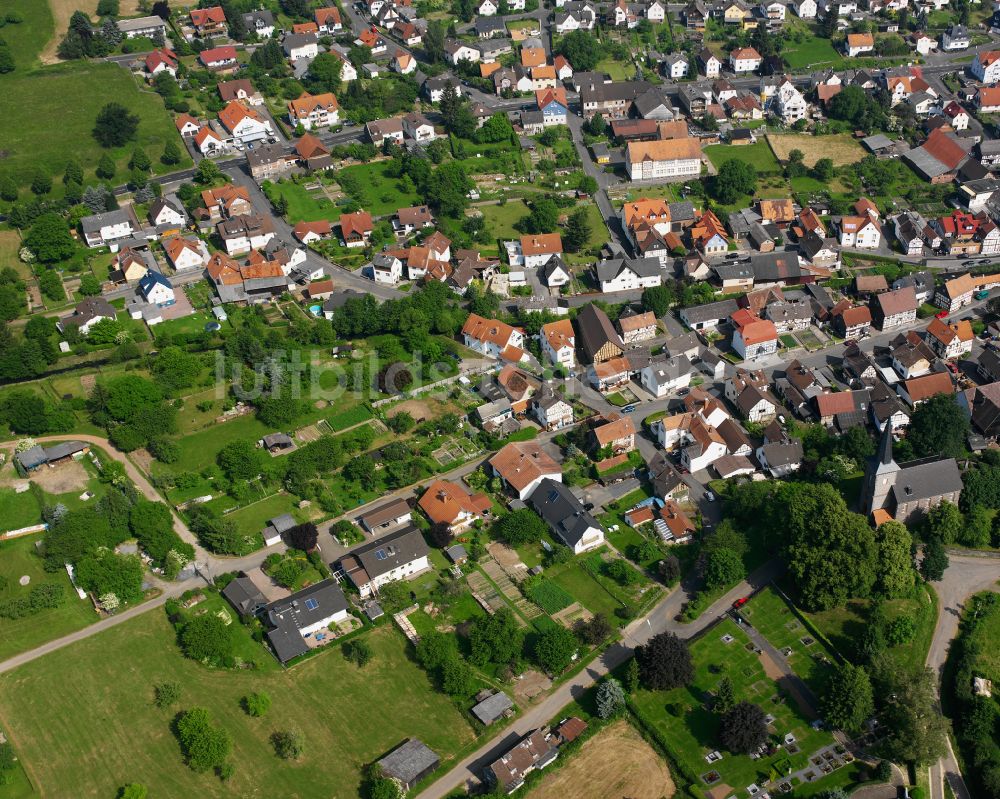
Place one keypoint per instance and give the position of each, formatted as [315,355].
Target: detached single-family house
[522,466]
[493,338]
[566,516]
[313,111]
[356,228]
[752,337]
[858,43]
[448,503]
[295,620]
[156,289]
[398,555]
[105,229]
[559,343]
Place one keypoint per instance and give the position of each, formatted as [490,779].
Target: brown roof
[871,283]
[944,149]
[927,386]
[230,89]
[492,330]
[385,512]
[559,334]
[541,243]
[898,301]
[359,222]
[956,287]
[665,150]
[321,227]
[307,103]
[946,333]
[637,321]
[854,315]
[417,215]
[860,40]
[614,430]
[310,147]
[522,462]
[234,113]
[444,502]
[777,210]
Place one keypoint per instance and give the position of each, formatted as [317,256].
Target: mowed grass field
[811,52]
[83,722]
[759,155]
[841,148]
[64,103]
[379,193]
[615,762]
[18,559]
[27,39]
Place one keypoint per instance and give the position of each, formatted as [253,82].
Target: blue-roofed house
[156,289]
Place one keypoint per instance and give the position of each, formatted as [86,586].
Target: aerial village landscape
[474,398]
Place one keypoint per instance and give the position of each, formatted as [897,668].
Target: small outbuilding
[409,763]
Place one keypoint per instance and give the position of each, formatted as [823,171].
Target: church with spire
[906,491]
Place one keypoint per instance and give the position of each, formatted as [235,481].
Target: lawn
[683,719]
[377,192]
[32,140]
[583,587]
[253,517]
[987,635]
[18,510]
[303,206]
[616,69]
[841,148]
[112,734]
[500,219]
[18,559]
[198,450]
[811,52]
[27,39]
[10,245]
[759,155]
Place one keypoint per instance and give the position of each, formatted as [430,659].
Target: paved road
[661,619]
[966,575]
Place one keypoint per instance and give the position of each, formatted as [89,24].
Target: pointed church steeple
[880,474]
[885,446]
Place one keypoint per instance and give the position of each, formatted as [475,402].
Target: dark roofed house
[598,338]
[386,515]
[566,517]
[275,442]
[409,763]
[534,751]
[296,619]
[398,555]
[244,596]
[493,707]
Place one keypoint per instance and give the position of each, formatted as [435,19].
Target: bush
[288,744]
[358,651]
[256,704]
[166,693]
[204,745]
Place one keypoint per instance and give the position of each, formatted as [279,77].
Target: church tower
[880,474]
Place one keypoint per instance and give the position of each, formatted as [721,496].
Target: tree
[171,153]
[106,168]
[433,41]
[595,631]
[134,790]
[664,662]
[894,563]
[49,239]
[139,160]
[175,369]
[520,527]
[723,567]
[743,730]
[914,729]
[288,744]
[823,169]
[544,216]
[848,700]
[581,49]
[303,537]
[578,231]
[619,571]
[207,172]
[554,649]
[379,786]
[153,526]
[735,179]
[610,698]
[41,183]
[115,125]
[978,528]
[725,696]
[358,651]
[207,638]
[495,639]
[204,745]
[935,561]
[166,694]
[938,427]
[25,412]
[632,676]
[944,521]
[8,188]
[7,63]
[658,299]
[240,460]
[670,569]
[104,571]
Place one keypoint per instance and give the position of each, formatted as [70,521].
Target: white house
[860,232]
[487,8]
[105,229]
[313,111]
[300,45]
[566,516]
[493,338]
[559,343]
[244,124]
[706,445]
[387,269]
[711,66]
[628,274]
[985,66]
[663,377]
[805,9]
[676,66]
[859,43]
[663,160]
[537,249]
[459,51]
[416,126]
[745,59]
[955,37]
[752,337]
[791,105]
[922,43]
[399,555]
[522,466]
[209,142]
[167,211]
[156,289]
[550,410]
[554,272]
[185,253]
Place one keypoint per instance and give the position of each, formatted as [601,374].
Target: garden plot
[528,609]
[484,592]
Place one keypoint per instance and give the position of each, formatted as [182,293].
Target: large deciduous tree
[743,730]
[938,427]
[847,701]
[115,125]
[664,663]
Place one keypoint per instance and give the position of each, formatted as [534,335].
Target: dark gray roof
[604,92]
[663,474]
[410,762]
[64,449]
[722,309]
[492,707]
[244,596]
[32,458]
[612,267]
[283,523]
[683,344]
[596,330]
[681,211]
[780,454]
[303,608]
[93,224]
[775,266]
[264,16]
[925,479]
[390,551]
[733,271]
[295,40]
[562,511]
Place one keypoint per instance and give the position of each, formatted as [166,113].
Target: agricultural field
[683,720]
[759,155]
[113,734]
[841,148]
[614,762]
[18,560]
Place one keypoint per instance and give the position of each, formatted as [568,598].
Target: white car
[710,496]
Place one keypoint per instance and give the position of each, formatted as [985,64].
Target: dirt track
[615,764]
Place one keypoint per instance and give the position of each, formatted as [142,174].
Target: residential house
[780,458]
[379,130]
[745,59]
[550,409]
[566,516]
[522,466]
[313,111]
[636,327]
[805,9]
[922,388]
[87,313]
[156,290]
[398,555]
[858,43]
[240,234]
[209,22]
[955,293]
[538,248]
[534,751]
[386,268]
[708,316]
[662,377]
[950,340]
[598,338]
[609,375]
[705,446]
[328,20]
[708,235]
[294,620]
[161,60]
[493,338]
[241,90]
[752,337]
[614,433]
[185,253]
[982,405]
[244,124]
[558,342]
[259,23]
[100,230]
[552,104]
[152,27]
[219,59]
[417,127]
[709,64]
[911,357]
[386,516]
[955,37]
[628,274]
[301,45]
[456,52]
[309,232]
[851,321]
[860,232]
[448,503]
[356,228]
[895,308]
[269,161]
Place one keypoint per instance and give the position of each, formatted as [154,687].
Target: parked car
[741,602]
[940,314]
[710,496]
